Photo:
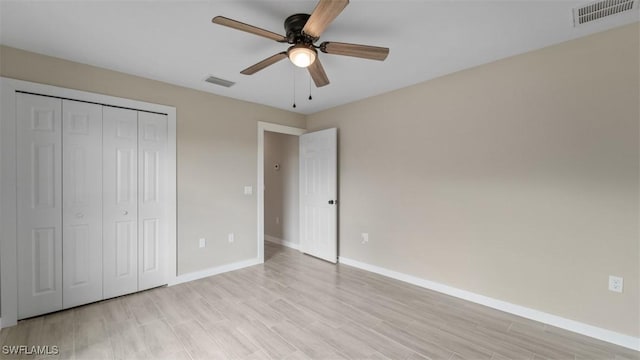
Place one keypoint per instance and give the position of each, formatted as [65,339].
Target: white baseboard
[276,240]
[613,337]
[213,271]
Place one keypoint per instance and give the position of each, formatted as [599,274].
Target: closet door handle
[125,212]
[79,215]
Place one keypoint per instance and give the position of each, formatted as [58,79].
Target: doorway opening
[318,191]
[281,198]
[278,219]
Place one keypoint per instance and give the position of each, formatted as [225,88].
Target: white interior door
[120,201]
[318,194]
[82,203]
[152,199]
[39,204]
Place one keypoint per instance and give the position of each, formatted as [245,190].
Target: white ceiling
[175,41]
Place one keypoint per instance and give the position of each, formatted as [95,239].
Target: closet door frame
[8,181]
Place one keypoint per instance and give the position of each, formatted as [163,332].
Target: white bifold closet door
[120,202]
[135,203]
[60,204]
[39,206]
[91,202]
[152,199]
[81,203]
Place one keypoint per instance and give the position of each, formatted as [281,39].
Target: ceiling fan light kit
[302,55]
[302,31]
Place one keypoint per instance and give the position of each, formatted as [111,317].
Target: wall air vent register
[601,9]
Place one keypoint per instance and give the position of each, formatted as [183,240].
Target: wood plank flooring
[298,307]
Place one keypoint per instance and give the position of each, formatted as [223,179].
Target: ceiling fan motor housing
[293,26]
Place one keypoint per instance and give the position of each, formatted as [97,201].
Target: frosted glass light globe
[302,56]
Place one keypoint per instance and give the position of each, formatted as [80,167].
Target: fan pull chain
[294,88]
[310,98]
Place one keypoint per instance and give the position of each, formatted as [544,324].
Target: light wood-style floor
[298,307]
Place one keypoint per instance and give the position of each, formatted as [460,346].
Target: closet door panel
[120,202]
[152,172]
[39,204]
[82,203]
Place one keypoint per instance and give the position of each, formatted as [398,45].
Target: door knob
[125,212]
[331,202]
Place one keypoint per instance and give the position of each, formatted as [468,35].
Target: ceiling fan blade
[361,51]
[221,20]
[264,63]
[322,16]
[317,73]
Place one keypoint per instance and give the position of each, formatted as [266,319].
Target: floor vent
[218,81]
[600,9]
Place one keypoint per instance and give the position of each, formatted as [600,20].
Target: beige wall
[517,180]
[216,145]
[281,186]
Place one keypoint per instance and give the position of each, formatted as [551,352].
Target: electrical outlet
[248,190]
[615,283]
[365,237]
[231,237]
[202,242]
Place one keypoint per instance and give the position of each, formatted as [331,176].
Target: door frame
[8,181]
[276,128]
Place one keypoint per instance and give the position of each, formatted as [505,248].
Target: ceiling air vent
[218,81]
[600,9]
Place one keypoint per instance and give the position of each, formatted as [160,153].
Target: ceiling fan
[302,31]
